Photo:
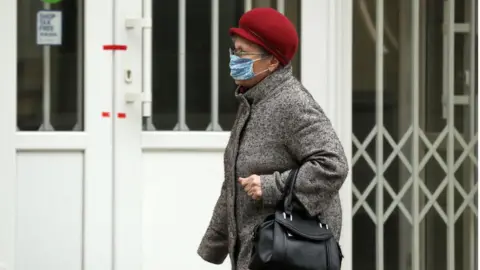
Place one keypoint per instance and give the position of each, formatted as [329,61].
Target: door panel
[55,146]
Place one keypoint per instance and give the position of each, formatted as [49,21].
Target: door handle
[145,26]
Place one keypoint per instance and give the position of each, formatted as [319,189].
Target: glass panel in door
[191,85]
[50,66]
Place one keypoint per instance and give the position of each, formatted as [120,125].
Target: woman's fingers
[252,186]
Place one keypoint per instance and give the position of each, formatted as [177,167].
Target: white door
[177,104]
[56,135]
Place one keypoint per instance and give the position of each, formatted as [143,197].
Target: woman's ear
[274,63]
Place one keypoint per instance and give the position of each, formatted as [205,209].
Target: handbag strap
[287,197]
[288,191]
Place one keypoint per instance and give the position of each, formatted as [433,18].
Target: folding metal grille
[436,181]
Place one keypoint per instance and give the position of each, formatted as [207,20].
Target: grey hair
[260,48]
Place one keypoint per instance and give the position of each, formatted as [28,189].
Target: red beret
[271,30]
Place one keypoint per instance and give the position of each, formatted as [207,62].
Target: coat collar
[266,87]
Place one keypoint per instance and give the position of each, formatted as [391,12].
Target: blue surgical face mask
[241,69]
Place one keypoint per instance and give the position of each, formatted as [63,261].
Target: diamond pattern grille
[430,152]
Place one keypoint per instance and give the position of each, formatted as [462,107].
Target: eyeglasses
[239,53]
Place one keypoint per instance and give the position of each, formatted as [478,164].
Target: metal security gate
[415,167]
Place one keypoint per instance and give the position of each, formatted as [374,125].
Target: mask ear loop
[263,71]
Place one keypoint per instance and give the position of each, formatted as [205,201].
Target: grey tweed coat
[279,126]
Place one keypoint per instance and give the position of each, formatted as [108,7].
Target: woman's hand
[252,185]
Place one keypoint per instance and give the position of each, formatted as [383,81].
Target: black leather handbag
[291,239]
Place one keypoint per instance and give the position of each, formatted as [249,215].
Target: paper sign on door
[49,27]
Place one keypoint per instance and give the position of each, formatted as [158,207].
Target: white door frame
[94,142]
[326,44]
[127,140]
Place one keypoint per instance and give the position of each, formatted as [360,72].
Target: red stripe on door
[115,47]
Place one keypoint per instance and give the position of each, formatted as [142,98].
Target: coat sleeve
[311,140]
[214,245]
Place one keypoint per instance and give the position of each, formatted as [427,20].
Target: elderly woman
[279,127]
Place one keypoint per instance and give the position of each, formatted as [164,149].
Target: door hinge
[135,97]
[466,77]
[143,23]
